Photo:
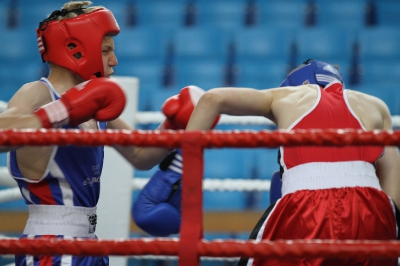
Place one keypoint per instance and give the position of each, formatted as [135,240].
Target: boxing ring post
[191,232]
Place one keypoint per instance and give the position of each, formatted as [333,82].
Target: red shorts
[356,213]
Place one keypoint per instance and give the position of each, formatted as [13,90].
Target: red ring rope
[226,248]
[190,245]
[208,139]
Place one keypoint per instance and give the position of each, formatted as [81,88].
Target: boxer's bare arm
[374,114]
[231,101]
[177,110]
[388,166]
[369,110]
[281,105]
[143,158]
[18,114]
[388,171]
[290,103]
[31,160]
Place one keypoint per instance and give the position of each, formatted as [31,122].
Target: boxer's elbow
[205,112]
[212,98]
[211,102]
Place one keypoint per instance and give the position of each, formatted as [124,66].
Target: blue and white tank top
[72,175]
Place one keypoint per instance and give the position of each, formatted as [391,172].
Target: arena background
[168,44]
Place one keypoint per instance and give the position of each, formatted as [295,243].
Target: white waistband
[61,220]
[324,175]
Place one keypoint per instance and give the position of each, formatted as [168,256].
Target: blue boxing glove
[157,209]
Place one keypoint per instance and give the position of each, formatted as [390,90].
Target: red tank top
[331,111]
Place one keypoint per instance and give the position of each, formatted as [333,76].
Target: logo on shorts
[92,222]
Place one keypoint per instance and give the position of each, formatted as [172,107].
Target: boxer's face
[108,55]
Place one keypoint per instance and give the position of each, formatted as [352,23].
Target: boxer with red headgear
[328,192]
[61,185]
[74,43]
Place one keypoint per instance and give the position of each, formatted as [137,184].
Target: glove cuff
[53,115]
[167,160]
[176,164]
[172,161]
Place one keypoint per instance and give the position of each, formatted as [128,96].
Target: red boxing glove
[102,99]
[179,108]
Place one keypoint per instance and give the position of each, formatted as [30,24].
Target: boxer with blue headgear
[313,72]
[326,192]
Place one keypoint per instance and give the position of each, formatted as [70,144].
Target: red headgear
[75,43]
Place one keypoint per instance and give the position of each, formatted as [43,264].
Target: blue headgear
[313,72]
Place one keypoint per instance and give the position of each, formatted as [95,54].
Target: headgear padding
[313,72]
[75,43]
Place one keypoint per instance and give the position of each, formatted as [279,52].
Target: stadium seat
[223,200]
[234,163]
[19,45]
[285,13]
[144,42]
[227,163]
[341,13]
[14,74]
[18,73]
[325,43]
[225,14]
[32,12]
[150,74]
[262,42]
[380,71]
[147,70]
[342,1]
[388,12]
[243,163]
[5,14]
[201,42]
[147,90]
[388,92]
[161,13]
[8,88]
[266,160]
[203,73]
[261,73]
[380,43]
